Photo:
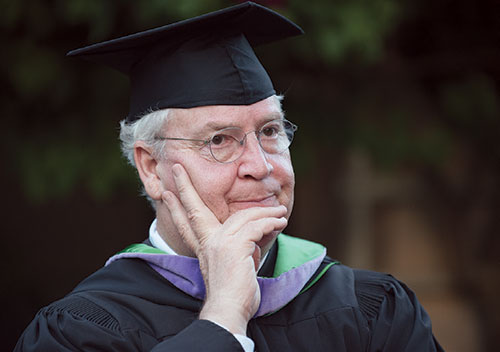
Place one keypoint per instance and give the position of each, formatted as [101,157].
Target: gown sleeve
[396,319]
[75,324]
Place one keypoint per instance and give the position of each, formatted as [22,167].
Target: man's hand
[228,254]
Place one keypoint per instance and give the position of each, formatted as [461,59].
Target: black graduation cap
[204,60]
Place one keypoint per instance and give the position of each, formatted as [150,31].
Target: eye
[218,139]
[222,140]
[270,131]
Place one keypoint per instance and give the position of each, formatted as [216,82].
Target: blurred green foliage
[359,83]
[412,84]
[472,101]
[342,30]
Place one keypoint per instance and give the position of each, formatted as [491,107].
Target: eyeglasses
[228,144]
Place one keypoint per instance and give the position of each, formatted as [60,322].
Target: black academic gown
[128,306]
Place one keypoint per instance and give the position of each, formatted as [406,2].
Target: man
[210,143]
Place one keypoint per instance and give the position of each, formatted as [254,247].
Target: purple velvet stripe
[278,291]
[184,273]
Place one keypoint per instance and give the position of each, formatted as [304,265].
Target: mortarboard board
[204,60]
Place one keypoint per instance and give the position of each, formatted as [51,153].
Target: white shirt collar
[158,242]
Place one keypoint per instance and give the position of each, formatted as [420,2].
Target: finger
[256,256]
[242,217]
[180,220]
[198,213]
[255,230]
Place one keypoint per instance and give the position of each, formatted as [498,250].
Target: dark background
[397,157]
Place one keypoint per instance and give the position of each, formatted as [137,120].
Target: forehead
[214,117]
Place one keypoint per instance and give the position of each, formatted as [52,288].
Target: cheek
[283,172]
[212,182]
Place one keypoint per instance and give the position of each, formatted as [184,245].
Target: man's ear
[146,163]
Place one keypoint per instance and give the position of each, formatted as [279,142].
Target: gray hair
[144,129]
[147,129]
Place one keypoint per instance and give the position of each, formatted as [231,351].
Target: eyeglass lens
[274,137]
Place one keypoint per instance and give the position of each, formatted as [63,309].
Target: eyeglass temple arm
[183,139]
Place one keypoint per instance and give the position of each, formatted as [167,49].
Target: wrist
[230,319]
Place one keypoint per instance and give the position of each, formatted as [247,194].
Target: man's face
[256,179]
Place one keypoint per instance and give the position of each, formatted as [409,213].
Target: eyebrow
[215,126]
[210,127]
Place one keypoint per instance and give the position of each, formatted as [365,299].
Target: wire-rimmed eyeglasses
[228,144]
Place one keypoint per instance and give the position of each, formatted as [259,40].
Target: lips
[266,201]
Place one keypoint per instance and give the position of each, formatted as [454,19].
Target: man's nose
[253,162]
